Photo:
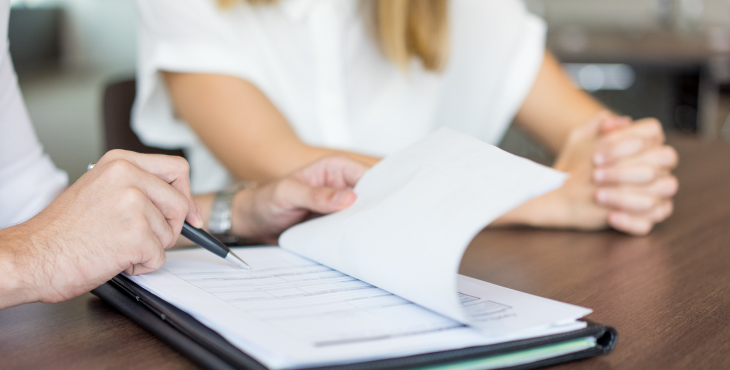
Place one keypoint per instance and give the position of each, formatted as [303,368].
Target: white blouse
[319,65]
[28,179]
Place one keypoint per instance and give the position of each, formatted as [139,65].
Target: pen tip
[232,258]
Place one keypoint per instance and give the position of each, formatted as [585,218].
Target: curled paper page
[416,213]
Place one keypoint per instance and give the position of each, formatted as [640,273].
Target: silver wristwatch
[219,223]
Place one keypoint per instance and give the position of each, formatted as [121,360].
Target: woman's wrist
[243,215]
[546,211]
[564,208]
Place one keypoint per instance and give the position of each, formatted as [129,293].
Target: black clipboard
[208,349]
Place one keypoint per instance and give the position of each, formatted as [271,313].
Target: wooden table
[667,294]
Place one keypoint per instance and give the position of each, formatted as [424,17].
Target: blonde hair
[405,29]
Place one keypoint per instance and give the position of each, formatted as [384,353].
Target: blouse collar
[299,10]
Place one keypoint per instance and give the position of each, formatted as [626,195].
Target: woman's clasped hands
[619,176]
[632,173]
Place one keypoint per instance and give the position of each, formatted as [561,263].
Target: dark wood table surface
[667,294]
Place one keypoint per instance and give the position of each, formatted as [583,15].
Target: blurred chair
[118,100]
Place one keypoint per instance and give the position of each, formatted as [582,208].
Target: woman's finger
[629,141]
[662,211]
[345,170]
[338,172]
[293,194]
[640,169]
[663,156]
[630,224]
[662,188]
[640,224]
[638,199]
[612,123]
[626,200]
[640,174]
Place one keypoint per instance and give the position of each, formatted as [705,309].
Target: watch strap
[221,213]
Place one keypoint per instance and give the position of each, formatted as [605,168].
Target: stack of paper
[379,279]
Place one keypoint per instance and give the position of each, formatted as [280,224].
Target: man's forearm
[14,286]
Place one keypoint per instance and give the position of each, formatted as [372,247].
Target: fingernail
[599,175]
[599,159]
[343,198]
[199,213]
[602,196]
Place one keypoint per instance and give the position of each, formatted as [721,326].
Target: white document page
[290,312]
[416,212]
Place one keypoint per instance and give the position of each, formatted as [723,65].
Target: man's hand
[120,216]
[320,188]
[633,174]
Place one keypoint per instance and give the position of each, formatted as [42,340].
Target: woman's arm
[554,106]
[620,170]
[242,128]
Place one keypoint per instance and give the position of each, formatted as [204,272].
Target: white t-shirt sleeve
[180,36]
[28,179]
[497,49]
[192,36]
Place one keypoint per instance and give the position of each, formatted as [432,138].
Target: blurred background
[668,59]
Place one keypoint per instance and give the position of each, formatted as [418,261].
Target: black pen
[205,240]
